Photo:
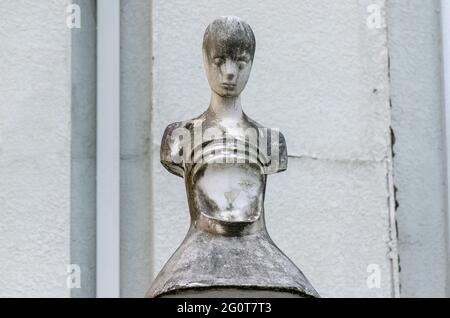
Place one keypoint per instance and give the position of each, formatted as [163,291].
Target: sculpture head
[228,51]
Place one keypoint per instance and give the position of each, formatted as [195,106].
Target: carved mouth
[228,85]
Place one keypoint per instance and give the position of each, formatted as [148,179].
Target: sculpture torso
[225,174]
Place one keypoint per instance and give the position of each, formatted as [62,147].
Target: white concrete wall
[419,162]
[35,130]
[321,76]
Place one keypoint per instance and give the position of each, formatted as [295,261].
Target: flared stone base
[209,264]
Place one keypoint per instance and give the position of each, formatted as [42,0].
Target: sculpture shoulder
[278,151]
[283,153]
[276,142]
[172,145]
[169,149]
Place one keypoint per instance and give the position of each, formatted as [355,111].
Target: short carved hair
[231,35]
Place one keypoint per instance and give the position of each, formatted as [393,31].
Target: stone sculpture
[225,158]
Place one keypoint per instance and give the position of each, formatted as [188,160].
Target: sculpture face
[227,75]
[228,50]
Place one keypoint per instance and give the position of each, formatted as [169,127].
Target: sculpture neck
[229,107]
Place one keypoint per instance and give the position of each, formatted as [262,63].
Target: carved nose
[230,70]
[230,76]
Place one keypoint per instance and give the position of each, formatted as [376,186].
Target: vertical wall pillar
[419,149]
[108,148]
[84,126]
[135,147]
[445,28]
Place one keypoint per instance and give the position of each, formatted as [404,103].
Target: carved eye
[242,64]
[218,61]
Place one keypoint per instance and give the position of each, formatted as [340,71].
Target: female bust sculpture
[224,158]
